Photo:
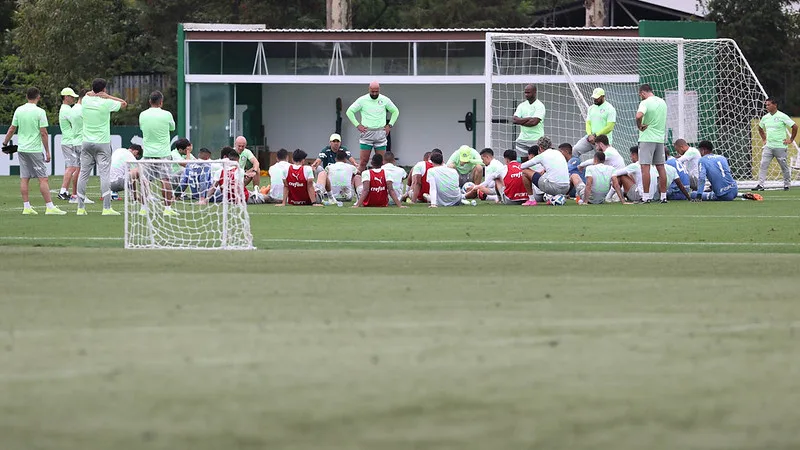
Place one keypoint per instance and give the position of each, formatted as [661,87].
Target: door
[212,122]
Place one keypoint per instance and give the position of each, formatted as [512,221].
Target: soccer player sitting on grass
[340,179]
[377,187]
[491,168]
[627,182]
[197,177]
[298,186]
[510,183]
[677,178]
[277,173]
[232,180]
[598,182]
[443,183]
[181,154]
[576,176]
[120,165]
[716,169]
[689,157]
[420,188]
[468,163]
[553,177]
[328,155]
[395,174]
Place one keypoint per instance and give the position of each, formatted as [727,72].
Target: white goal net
[711,91]
[200,206]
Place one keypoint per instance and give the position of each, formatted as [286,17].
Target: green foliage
[768,37]
[14,82]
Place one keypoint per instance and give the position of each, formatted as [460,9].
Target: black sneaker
[644,202]
[63,196]
[786,188]
[664,201]
[758,188]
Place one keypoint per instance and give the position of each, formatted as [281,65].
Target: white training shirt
[494,168]
[613,159]
[277,173]
[418,169]
[554,163]
[635,172]
[341,174]
[396,175]
[119,163]
[444,189]
[691,161]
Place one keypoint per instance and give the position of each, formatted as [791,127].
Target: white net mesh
[722,99]
[210,212]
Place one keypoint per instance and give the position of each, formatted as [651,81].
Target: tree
[768,37]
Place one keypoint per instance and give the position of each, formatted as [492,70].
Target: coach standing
[651,119]
[772,129]
[373,126]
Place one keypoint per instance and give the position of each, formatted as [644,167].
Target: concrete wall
[304,116]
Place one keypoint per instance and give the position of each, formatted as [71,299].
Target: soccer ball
[467,186]
[557,200]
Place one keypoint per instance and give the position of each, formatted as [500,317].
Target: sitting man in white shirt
[443,182]
[551,173]
[120,160]
[277,173]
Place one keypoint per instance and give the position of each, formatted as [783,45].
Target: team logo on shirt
[377,180]
[380,102]
[295,176]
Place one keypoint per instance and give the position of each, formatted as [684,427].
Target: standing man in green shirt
[651,119]
[530,118]
[33,151]
[772,129]
[71,163]
[373,126]
[156,125]
[600,119]
[96,110]
[252,173]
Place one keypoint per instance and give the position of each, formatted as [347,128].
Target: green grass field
[601,327]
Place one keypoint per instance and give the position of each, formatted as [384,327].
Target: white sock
[168,207]
[26,205]
[62,191]
[663,196]
[646,196]
[491,198]
[50,205]
[532,197]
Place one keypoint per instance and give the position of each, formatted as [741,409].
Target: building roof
[259,28]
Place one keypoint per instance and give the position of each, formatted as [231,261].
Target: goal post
[711,91]
[210,215]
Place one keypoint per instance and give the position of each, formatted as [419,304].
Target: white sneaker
[87,200]
[73,199]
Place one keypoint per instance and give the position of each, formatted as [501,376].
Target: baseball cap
[464,153]
[335,137]
[68,91]
[598,92]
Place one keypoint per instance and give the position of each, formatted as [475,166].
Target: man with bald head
[373,126]
[530,118]
[253,172]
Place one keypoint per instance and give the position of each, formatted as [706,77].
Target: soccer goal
[211,213]
[710,90]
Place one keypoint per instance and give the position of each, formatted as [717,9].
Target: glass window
[238,57]
[280,57]
[356,56]
[465,58]
[313,58]
[432,58]
[391,58]
[205,58]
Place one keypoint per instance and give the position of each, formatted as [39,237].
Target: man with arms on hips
[30,125]
[598,182]
[529,115]
[397,175]
[443,183]
[600,119]
[468,163]
[96,109]
[492,167]
[651,119]
[156,125]
[248,162]
[377,188]
[120,165]
[553,176]
[510,185]
[373,126]
[772,129]
[277,174]
[298,186]
[716,169]
[689,158]
[68,143]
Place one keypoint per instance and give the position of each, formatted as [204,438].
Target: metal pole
[474,122]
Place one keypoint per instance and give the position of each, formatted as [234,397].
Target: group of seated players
[544,175]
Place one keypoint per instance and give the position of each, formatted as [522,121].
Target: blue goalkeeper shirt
[718,172]
[682,174]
